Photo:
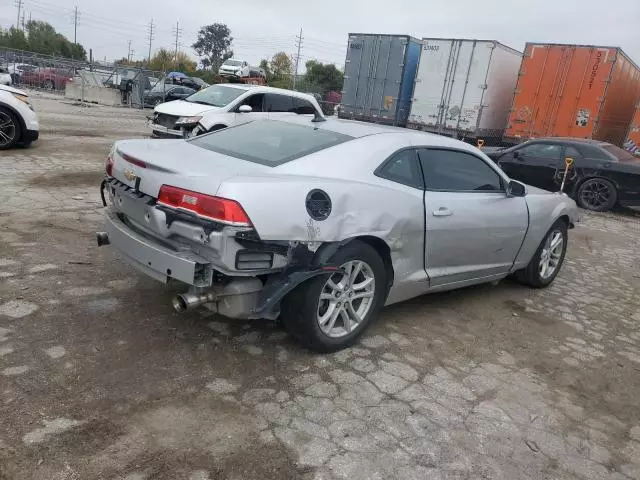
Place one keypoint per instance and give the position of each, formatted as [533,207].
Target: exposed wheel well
[566,220]
[384,251]
[216,127]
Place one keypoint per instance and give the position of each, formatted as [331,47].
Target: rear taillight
[108,165]
[205,206]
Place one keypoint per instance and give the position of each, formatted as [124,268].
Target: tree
[41,37]
[184,63]
[264,65]
[321,78]
[213,45]
[14,38]
[281,68]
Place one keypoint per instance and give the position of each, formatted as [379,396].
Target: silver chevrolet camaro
[320,223]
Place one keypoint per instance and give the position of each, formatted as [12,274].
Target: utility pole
[18,4]
[22,19]
[178,33]
[75,25]
[129,52]
[150,28]
[299,45]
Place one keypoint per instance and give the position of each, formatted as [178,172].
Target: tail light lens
[206,206]
[108,165]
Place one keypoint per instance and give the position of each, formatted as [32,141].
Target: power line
[178,34]
[151,37]
[18,4]
[299,45]
[75,25]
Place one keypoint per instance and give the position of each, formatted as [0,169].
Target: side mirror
[516,189]
[516,154]
[245,109]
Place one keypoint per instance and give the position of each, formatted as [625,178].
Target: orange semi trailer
[633,139]
[574,91]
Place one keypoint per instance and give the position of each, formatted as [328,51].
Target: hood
[13,90]
[177,163]
[537,191]
[181,108]
[229,67]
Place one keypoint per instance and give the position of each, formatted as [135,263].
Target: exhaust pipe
[102,238]
[187,301]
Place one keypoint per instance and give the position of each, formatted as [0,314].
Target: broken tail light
[206,206]
[108,165]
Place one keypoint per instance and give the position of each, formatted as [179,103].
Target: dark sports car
[601,176]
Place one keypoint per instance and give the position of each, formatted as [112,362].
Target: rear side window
[303,107]
[593,152]
[269,142]
[278,103]
[455,171]
[619,153]
[402,168]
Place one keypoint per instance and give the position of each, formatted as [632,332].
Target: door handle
[442,212]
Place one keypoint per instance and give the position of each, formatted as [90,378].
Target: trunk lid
[149,164]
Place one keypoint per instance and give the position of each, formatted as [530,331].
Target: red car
[47,78]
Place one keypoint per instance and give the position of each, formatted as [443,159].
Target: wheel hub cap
[551,254]
[345,299]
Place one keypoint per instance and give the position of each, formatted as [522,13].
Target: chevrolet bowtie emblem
[129,175]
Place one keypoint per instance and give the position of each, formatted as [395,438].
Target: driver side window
[456,171]
[256,103]
[541,150]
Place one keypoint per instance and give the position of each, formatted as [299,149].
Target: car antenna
[317,118]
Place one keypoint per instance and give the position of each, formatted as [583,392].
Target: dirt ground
[99,379]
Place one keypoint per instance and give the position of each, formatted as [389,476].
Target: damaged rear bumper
[155,260]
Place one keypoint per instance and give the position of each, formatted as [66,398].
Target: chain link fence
[93,82]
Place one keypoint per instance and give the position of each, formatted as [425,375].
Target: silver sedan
[322,223]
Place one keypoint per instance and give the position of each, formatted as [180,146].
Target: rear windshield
[269,142]
[619,153]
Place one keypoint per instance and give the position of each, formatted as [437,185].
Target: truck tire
[330,312]
[548,259]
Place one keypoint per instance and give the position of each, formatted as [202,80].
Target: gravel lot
[99,379]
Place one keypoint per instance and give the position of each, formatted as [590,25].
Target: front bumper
[30,136]
[154,259]
[159,131]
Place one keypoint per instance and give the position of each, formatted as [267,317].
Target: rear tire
[323,317]
[597,195]
[534,274]
[10,130]
[49,85]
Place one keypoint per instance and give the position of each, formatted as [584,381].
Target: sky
[261,28]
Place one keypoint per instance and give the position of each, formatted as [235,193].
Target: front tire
[10,131]
[597,194]
[546,263]
[49,85]
[330,312]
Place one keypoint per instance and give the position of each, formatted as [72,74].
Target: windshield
[619,153]
[269,142]
[216,95]
[233,63]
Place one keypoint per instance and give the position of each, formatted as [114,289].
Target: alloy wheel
[595,194]
[345,299]
[7,129]
[551,254]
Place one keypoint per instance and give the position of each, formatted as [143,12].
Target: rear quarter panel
[362,204]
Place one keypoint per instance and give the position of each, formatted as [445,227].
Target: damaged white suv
[221,106]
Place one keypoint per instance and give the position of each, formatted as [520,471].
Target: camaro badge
[129,175]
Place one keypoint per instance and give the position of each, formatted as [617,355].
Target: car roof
[571,140]
[357,129]
[265,89]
